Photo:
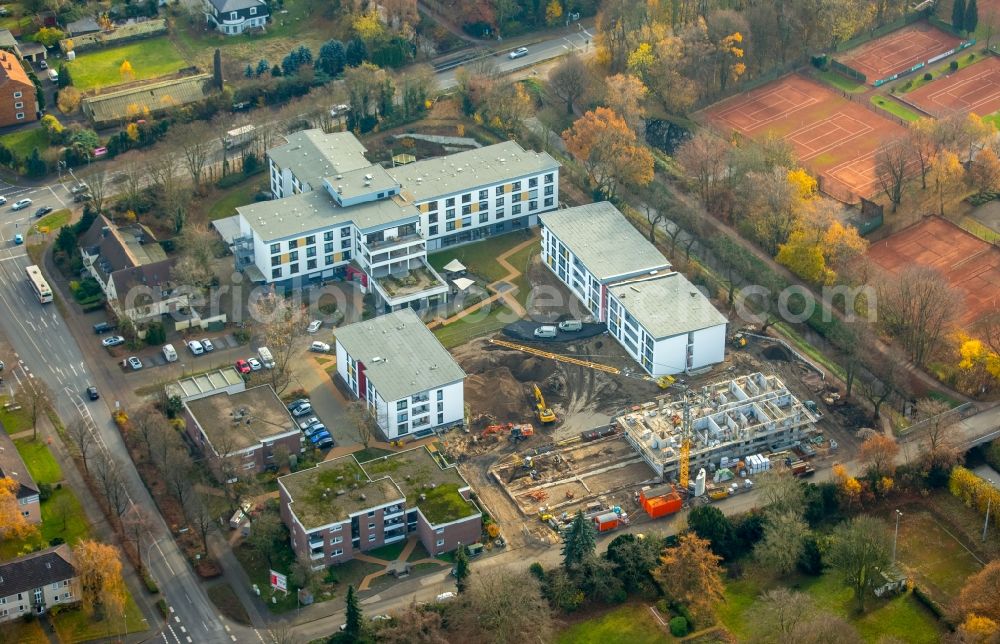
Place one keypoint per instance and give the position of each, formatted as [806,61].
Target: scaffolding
[729,420]
[243,252]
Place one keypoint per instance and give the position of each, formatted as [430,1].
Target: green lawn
[979,230]
[25,632]
[240,195]
[352,572]
[902,617]
[54,220]
[225,599]
[41,464]
[842,82]
[149,59]
[474,325]
[390,552]
[13,421]
[939,562]
[24,141]
[481,257]
[521,260]
[62,516]
[258,571]
[75,626]
[965,59]
[631,624]
[893,107]
[993,118]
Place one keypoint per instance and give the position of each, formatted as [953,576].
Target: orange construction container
[661,501]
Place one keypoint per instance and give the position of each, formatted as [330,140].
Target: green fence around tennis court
[850,72]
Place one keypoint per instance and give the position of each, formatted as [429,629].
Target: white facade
[428,409]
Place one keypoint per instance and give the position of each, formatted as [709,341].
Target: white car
[207,345]
[255,364]
[517,53]
[135,363]
[314,326]
[319,347]
[196,347]
[21,205]
[446,597]
[308,422]
[3,200]
[113,341]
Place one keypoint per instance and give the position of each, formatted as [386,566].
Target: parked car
[318,437]
[82,196]
[21,204]
[546,331]
[3,200]
[318,428]
[295,403]
[104,327]
[570,325]
[80,187]
[113,341]
[18,239]
[207,345]
[517,53]
[195,347]
[43,64]
[44,210]
[308,422]
[255,364]
[326,443]
[92,393]
[135,363]
[302,410]
[242,366]
[319,347]
[314,326]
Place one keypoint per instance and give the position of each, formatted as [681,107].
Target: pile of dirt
[497,392]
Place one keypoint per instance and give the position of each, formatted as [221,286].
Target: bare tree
[198,246]
[196,143]
[79,434]
[177,475]
[136,526]
[35,398]
[879,383]
[415,625]
[97,181]
[783,541]
[282,633]
[782,493]
[492,614]
[892,160]
[144,427]
[134,176]
[201,519]
[280,322]
[916,307]
[568,80]
[940,447]
[111,481]
[778,612]
[364,424]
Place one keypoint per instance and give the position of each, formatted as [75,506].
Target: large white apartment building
[336,215]
[662,320]
[409,381]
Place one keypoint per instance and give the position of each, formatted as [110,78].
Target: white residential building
[410,382]
[664,322]
[337,216]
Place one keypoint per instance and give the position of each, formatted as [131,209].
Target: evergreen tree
[304,55]
[971,16]
[356,53]
[248,72]
[461,569]
[579,542]
[958,14]
[262,67]
[276,71]
[354,616]
[331,58]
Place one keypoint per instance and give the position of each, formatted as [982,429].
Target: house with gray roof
[12,466]
[233,17]
[410,383]
[37,582]
[82,26]
[661,319]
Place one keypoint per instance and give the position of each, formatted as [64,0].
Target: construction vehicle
[738,341]
[665,381]
[660,501]
[521,432]
[544,413]
[718,495]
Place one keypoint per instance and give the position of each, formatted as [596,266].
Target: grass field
[979,230]
[25,632]
[24,141]
[964,60]
[841,82]
[993,118]
[629,624]
[933,556]
[13,421]
[76,626]
[149,59]
[474,325]
[893,107]
[41,464]
[480,258]
[902,617]
[54,220]
[62,516]
[240,195]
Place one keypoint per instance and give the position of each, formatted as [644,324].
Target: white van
[169,353]
[266,358]
[545,332]
[570,325]
[53,75]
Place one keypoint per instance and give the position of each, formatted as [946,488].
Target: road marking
[7,259]
[176,618]
[73,367]
[183,630]
[226,627]
[189,639]
[232,637]
[257,633]
[188,598]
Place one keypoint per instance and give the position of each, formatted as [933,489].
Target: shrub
[44,491]
[678,627]
[56,541]
[162,605]
[150,584]
[537,570]
[928,76]
[953,65]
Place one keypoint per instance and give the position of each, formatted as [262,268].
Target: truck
[801,469]
[609,521]
[169,353]
[239,137]
[660,501]
[265,357]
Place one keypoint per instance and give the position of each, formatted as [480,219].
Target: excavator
[542,411]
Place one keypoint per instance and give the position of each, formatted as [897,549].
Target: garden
[105,67]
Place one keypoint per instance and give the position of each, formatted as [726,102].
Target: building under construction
[725,421]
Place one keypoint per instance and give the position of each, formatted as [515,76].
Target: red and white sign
[279,581]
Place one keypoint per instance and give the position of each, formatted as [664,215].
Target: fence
[878,32]
[944,26]
[850,72]
[120,35]
[933,59]
[865,101]
[753,83]
[961,412]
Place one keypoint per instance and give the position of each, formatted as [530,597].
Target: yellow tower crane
[685,458]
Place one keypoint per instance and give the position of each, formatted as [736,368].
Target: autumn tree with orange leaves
[981,594]
[878,453]
[13,524]
[101,584]
[690,575]
[610,151]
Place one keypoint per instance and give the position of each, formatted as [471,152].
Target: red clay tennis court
[975,89]
[898,51]
[834,137]
[971,265]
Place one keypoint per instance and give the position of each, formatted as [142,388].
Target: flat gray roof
[313,154]
[401,355]
[668,305]
[224,417]
[464,171]
[314,210]
[352,184]
[607,244]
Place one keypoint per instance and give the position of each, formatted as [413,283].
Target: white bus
[39,285]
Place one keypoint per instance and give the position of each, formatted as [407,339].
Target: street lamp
[989,503]
[895,536]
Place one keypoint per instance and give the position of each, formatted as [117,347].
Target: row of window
[328,235]
[311,265]
[497,191]
[293,256]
